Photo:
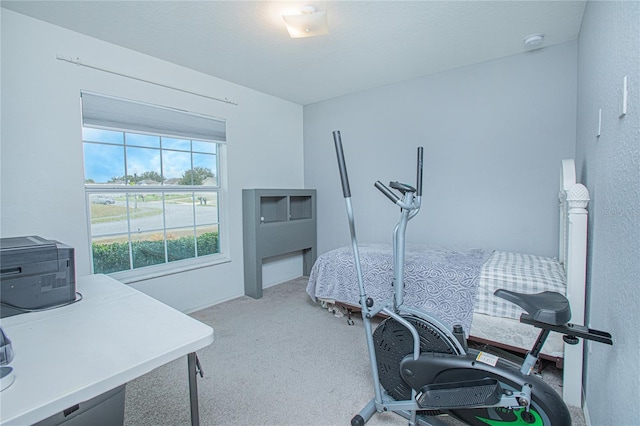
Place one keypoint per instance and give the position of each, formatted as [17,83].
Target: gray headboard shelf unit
[276,222]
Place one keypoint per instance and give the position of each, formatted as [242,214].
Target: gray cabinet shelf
[276,222]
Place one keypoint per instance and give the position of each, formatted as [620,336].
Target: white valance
[121,114]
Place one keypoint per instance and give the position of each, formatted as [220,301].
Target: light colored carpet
[279,360]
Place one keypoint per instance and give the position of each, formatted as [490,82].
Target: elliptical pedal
[474,393]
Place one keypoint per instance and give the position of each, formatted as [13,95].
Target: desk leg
[192,363]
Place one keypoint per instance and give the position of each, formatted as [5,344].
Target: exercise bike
[421,369]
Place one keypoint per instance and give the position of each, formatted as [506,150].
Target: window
[152,182]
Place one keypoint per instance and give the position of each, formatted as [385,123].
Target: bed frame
[572,254]
[574,198]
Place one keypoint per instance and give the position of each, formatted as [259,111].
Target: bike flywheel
[393,342]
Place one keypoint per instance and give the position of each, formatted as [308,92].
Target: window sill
[151,272]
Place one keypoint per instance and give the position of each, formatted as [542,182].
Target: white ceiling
[370,43]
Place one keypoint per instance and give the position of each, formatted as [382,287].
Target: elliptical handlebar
[386,191]
[344,177]
[337,139]
[419,174]
[404,188]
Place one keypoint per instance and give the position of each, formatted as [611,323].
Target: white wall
[609,49]
[494,136]
[42,164]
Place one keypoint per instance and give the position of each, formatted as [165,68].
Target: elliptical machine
[422,370]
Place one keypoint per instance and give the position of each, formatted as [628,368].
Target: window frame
[167,267]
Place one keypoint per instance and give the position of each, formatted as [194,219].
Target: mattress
[510,333]
[524,273]
[454,286]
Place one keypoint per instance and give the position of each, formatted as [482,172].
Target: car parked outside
[102,199]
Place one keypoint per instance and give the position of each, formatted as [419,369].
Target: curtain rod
[79,63]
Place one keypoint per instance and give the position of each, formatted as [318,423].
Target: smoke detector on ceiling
[534,40]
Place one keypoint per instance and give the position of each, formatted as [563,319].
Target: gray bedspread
[440,281]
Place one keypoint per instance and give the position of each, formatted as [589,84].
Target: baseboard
[208,305]
[283,280]
[585,409]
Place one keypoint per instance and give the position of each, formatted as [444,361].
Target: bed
[457,285]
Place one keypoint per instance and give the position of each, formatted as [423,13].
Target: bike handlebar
[403,187]
[346,191]
[386,191]
[344,177]
[419,177]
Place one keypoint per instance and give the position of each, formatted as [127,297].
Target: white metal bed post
[573,254]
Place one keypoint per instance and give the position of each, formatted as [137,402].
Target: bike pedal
[474,393]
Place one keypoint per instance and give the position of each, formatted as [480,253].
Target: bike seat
[549,307]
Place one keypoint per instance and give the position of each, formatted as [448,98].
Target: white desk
[71,354]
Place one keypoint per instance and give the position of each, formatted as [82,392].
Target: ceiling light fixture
[534,40]
[309,23]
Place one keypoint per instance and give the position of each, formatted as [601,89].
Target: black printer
[35,274]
